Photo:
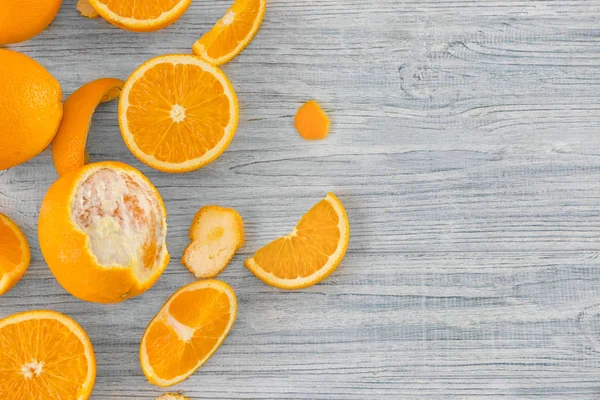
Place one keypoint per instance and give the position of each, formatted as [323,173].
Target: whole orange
[23,19]
[102,230]
[30,108]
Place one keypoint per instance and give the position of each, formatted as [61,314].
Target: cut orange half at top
[102,231]
[310,253]
[45,355]
[14,254]
[186,332]
[68,146]
[232,33]
[140,15]
[177,113]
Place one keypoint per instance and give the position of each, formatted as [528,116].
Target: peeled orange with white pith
[102,230]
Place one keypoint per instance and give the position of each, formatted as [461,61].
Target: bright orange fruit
[141,15]
[186,332]
[45,355]
[311,122]
[102,230]
[232,33]
[216,234]
[23,19]
[310,253]
[177,113]
[68,146]
[14,254]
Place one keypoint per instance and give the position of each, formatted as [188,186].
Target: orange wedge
[311,122]
[45,355]
[310,253]
[177,113]
[232,33]
[141,15]
[68,146]
[216,234]
[14,254]
[187,331]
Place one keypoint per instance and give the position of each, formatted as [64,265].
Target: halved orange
[68,146]
[177,113]
[232,33]
[102,231]
[310,253]
[141,15]
[14,254]
[186,332]
[45,355]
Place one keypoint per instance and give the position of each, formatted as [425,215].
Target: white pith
[103,206]
[32,369]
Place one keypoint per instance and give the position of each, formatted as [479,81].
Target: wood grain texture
[465,145]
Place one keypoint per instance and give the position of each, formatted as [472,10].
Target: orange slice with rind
[14,254]
[310,253]
[187,331]
[45,355]
[177,113]
[140,15]
[68,146]
[232,33]
[102,231]
[216,234]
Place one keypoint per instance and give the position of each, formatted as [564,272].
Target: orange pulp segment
[311,122]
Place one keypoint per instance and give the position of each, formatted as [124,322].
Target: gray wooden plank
[464,145]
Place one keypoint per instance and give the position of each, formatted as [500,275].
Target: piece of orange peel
[68,146]
[216,234]
[86,10]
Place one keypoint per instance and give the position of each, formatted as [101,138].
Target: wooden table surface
[465,144]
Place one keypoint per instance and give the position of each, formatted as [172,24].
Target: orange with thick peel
[177,113]
[310,253]
[187,331]
[68,146]
[216,234]
[23,19]
[141,15]
[14,254]
[232,33]
[102,231]
[45,355]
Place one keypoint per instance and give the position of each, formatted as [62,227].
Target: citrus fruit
[102,231]
[172,396]
[23,19]
[68,146]
[311,122]
[216,234]
[232,33]
[187,331]
[45,355]
[141,15]
[177,113]
[310,253]
[31,104]
[14,254]
[86,10]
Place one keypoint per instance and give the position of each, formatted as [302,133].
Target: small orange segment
[232,33]
[310,253]
[311,122]
[102,231]
[68,146]
[14,254]
[45,355]
[216,234]
[141,15]
[187,330]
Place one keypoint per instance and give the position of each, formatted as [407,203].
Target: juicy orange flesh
[206,312]
[10,248]
[140,9]
[232,29]
[176,112]
[42,360]
[120,215]
[307,250]
[311,122]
